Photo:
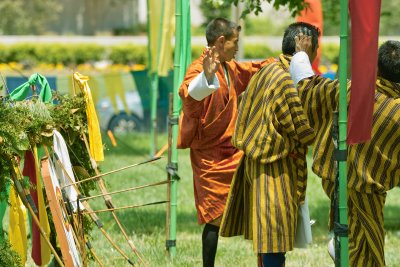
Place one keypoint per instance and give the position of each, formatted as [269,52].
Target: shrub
[197,50]
[128,54]
[330,53]
[74,54]
[8,256]
[258,51]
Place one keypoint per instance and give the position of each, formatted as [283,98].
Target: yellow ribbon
[44,222]
[17,227]
[95,142]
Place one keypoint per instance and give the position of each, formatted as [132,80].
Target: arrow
[110,172]
[125,207]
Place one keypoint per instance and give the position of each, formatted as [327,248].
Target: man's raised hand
[303,43]
[211,63]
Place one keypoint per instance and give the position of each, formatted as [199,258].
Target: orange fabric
[206,127]
[313,15]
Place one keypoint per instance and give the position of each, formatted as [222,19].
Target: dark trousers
[273,259]
[210,243]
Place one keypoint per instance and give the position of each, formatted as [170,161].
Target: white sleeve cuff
[300,67]
[199,87]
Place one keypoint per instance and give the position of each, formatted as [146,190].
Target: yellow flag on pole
[95,141]
[17,227]
[161,31]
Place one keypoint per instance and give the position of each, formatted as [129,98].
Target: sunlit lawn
[146,225]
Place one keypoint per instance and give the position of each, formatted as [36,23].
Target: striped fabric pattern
[271,122]
[366,232]
[373,167]
[273,132]
[319,97]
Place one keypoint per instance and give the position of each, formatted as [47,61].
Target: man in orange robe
[209,96]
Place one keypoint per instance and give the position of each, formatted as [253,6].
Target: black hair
[389,61]
[220,27]
[288,43]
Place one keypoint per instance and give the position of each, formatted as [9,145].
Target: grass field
[146,225]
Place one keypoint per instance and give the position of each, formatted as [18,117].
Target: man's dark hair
[288,43]
[389,61]
[220,27]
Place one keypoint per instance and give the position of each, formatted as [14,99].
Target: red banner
[364,50]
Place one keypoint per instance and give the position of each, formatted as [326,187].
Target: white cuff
[199,87]
[300,67]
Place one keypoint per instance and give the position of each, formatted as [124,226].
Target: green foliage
[251,51]
[29,123]
[331,15]
[69,117]
[67,54]
[330,53]
[254,6]
[8,256]
[24,124]
[265,26]
[27,16]
[387,26]
[31,54]
[84,53]
[22,52]
[197,50]
[257,51]
[215,9]
[55,53]
[128,54]
[390,11]
[140,28]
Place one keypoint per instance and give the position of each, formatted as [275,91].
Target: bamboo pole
[182,58]
[342,123]
[171,213]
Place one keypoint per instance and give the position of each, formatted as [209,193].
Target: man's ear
[220,41]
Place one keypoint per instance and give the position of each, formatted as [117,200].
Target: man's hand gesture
[303,42]
[210,63]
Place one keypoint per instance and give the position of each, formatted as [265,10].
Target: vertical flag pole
[182,58]
[172,167]
[342,123]
[154,59]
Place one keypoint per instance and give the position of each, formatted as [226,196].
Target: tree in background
[250,6]
[27,16]
[331,12]
[215,9]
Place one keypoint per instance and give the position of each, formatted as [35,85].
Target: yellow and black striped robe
[372,167]
[273,132]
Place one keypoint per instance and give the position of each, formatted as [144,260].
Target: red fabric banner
[364,50]
[30,171]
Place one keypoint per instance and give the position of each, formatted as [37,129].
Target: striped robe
[373,167]
[206,128]
[273,132]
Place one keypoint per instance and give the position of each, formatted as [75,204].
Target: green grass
[146,225]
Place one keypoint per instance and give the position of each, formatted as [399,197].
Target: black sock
[210,243]
[273,259]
